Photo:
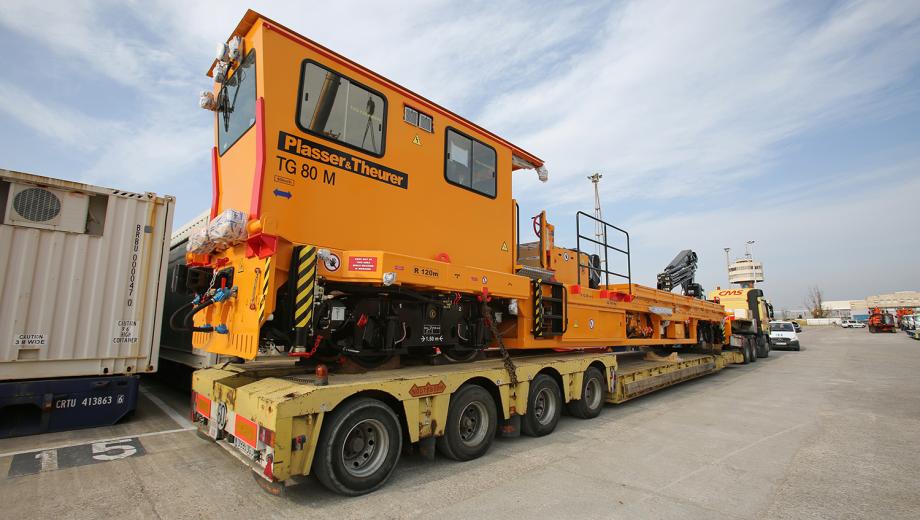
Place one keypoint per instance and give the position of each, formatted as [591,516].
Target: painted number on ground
[73,456]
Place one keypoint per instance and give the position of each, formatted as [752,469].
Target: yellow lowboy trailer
[348,429]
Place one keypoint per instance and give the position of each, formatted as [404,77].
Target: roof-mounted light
[235,47]
[520,162]
[220,72]
[222,54]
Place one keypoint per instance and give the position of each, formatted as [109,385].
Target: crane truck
[364,245]
[881,321]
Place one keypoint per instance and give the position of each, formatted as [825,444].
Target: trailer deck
[273,411]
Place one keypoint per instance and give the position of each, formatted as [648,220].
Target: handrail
[607,247]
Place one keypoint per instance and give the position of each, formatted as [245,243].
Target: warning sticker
[362,263]
[125,332]
[30,340]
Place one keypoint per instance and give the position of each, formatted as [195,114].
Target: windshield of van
[781,327]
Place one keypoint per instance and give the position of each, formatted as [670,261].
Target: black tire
[763,349]
[592,395]
[471,424]
[544,407]
[753,345]
[745,352]
[358,448]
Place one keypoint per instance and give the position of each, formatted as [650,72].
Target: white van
[783,335]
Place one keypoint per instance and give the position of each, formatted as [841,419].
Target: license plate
[245,448]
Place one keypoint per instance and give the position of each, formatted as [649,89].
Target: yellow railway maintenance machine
[357,225]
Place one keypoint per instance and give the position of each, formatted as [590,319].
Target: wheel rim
[365,448]
[473,423]
[544,406]
[592,393]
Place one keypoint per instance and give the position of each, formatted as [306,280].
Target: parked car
[852,324]
[783,335]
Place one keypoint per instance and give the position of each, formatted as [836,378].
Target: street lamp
[728,264]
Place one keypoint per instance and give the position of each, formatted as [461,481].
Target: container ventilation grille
[37,204]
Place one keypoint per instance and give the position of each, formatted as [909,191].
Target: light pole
[728,264]
[598,226]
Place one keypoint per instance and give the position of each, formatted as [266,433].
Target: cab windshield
[237,104]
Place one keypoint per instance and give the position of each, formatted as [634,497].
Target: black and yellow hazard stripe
[538,308]
[266,276]
[305,273]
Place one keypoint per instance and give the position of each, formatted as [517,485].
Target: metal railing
[606,249]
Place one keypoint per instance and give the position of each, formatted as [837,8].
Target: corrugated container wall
[82,275]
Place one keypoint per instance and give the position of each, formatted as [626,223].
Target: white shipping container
[82,275]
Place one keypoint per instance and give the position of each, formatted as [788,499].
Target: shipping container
[82,276]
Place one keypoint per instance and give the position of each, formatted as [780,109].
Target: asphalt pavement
[831,431]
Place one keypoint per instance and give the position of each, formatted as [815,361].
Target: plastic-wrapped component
[198,241]
[227,228]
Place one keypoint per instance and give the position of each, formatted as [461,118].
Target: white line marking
[180,419]
[108,439]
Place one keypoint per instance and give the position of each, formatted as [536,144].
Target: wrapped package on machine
[199,243]
[227,228]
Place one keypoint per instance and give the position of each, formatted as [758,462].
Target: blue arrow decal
[285,194]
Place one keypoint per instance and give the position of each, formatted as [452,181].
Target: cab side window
[470,164]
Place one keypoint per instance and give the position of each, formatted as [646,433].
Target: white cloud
[680,94]
[98,36]
[63,125]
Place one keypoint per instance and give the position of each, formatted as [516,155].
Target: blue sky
[795,124]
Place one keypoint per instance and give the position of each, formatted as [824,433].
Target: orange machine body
[346,178]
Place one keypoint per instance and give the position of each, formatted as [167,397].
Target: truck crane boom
[681,272]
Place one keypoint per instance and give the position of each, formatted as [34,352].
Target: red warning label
[362,263]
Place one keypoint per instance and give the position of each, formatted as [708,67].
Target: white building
[896,300]
[745,272]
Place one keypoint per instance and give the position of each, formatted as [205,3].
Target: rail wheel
[544,407]
[371,360]
[592,396]
[358,448]
[471,423]
[457,355]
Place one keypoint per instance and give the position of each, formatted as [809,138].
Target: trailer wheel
[592,396]
[358,447]
[544,407]
[471,424]
[746,352]
[763,347]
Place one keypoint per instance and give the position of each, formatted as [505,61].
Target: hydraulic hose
[187,325]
